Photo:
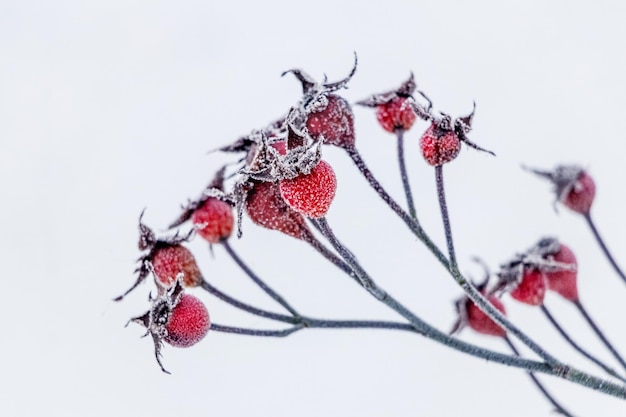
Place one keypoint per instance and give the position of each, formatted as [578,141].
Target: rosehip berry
[265,206]
[439,146]
[188,323]
[395,115]
[573,186]
[311,194]
[167,257]
[560,269]
[333,121]
[211,214]
[394,111]
[179,319]
[214,220]
[532,287]
[481,323]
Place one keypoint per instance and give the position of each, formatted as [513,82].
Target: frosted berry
[481,323]
[397,114]
[394,110]
[167,257]
[214,220]
[470,315]
[573,186]
[333,121]
[531,289]
[177,318]
[265,206]
[211,214]
[323,113]
[439,146]
[560,267]
[311,194]
[441,142]
[188,323]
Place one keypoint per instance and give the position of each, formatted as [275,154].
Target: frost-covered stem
[330,256]
[554,368]
[559,407]
[441,195]
[603,246]
[481,302]
[269,291]
[255,332]
[246,307]
[309,323]
[576,346]
[403,174]
[599,333]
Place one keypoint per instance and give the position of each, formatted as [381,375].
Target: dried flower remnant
[573,186]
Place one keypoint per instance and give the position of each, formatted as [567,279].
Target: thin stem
[330,256]
[603,246]
[599,333]
[269,291]
[575,345]
[552,368]
[246,307]
[403,174]
[559,407]
[255,332]
[441,195]
[469,288]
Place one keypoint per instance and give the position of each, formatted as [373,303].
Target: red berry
[311,194]
[265,206]
[334,121]
[564,281]
[532,288]
[214,220]
[170,260]
[280,146]
[580,196]
[395,114]
[439,146]
[481,323]
[188,323]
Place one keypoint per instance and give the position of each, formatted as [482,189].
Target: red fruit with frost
[214,220]
[280,146]
[532,287]
[177,318]
[334,121]
[581,195]
[563,282]
[395,115]
[170,260]
[265,206]
[188,323]
[481,323]
[311,194]
[439,146]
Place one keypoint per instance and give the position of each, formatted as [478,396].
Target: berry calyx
[177,318]
[265,206]
[311,194]
[573,186]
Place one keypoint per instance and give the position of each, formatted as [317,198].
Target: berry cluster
[281,182]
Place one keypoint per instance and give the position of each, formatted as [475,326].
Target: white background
[107,107]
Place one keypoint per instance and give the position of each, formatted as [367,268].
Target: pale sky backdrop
[107,107]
